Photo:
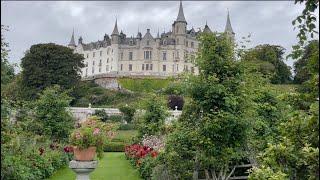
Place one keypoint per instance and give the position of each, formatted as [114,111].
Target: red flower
[41,150]
[154,154]
[68,149]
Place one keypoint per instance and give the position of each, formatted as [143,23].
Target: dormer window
[148,43]
[131,42]
[164,42]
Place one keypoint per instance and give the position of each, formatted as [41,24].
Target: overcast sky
[43,22]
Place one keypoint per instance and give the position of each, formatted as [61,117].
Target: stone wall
[81,114]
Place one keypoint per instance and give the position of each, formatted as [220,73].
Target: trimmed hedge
[114,147]
[126,127]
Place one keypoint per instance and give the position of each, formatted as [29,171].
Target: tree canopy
[45,65]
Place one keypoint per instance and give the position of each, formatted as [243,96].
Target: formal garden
[245,115]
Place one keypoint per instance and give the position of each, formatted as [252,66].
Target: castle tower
[228,29]
[179,26]
[115,40]
[72,43]
[115,34]
[207,29]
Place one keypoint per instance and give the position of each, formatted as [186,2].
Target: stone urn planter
[84,154]
[83,168]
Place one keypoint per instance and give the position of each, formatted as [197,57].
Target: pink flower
[96,131]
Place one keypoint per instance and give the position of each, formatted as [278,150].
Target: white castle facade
[167,54]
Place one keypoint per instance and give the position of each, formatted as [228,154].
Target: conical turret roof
[115,29]
[228,27]
[72,42]
[181,17]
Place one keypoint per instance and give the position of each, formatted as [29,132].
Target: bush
[115,118]
[103,116]
[128,113]
[126,127]
[114,147]
[175,100]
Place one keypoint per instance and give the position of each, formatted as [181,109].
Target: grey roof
[207,29]
[148,35]
[228,25]
[72,43]
[115,29]
[96,45]
[181,17]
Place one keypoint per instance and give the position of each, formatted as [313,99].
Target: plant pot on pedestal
[87,154]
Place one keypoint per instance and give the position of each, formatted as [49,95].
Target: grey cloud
[42,22]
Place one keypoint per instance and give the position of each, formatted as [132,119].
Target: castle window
[147,54]
[164,42]
[177,54]
[130,67]
[187,43]
[111,67]
[130,55]
[151,67]
[100,63]
[177,29]
[92,70]
[93,63]
[177,67]
[192,44]
[94,54]
[99,69]
[121,67]
[112,51]
[164,67]
[142,67]
[108,51]
[108,60]
[86,72]
[131,42]
[164,56]
[147,67]
[121,56]
[107,68]
[87,55]
[100,53]
[177,40]
[148,42]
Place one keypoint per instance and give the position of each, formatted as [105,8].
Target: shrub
[51,112]
[115,118]
[175,100]
[128,113]
[114,147]
[103,116]
[126,127]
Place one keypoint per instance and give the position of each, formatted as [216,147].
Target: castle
[167,54]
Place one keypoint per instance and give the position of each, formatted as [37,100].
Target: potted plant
[90,138]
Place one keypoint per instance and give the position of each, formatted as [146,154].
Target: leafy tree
[153,120]
[7,69]
[103,116]
[308,61]
[51,112]
[214,117]
[269,61]
[45,65]
[128,113]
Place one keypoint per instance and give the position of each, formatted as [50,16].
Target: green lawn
[113,166]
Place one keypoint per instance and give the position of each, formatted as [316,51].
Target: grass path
[113,166]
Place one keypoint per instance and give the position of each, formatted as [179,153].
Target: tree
[301,66]
[7,69]
[51,112]
[47,64]
[269,61]
[213,117]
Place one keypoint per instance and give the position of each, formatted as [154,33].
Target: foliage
[128,113]
[153,120]
[143,85]
[103,116]
[268,60]
[51,113]
[92,133]
[127,127]
[175,101]
[266,173]
[47,64]
[7,69]
[115,118]
[155,142]
[308,61]
[114,147]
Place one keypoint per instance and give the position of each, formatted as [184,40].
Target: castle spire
[158,35]
[228,27]
[181,17]
[115,29]
[72,43]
